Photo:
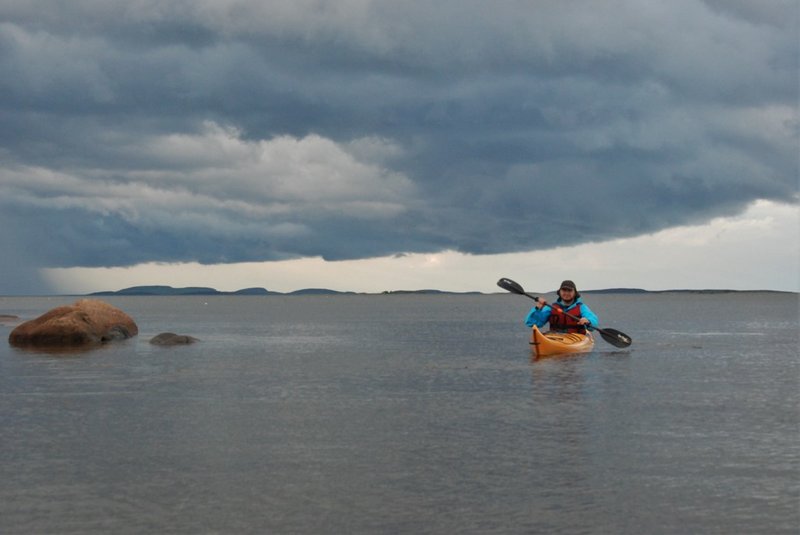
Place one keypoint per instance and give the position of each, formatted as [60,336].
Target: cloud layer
[230,131]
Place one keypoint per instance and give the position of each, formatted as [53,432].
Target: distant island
[191,290]
[202,290]
[427,292]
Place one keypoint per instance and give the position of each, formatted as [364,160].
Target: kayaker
[569,301]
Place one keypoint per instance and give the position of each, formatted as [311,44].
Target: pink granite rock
[88,321]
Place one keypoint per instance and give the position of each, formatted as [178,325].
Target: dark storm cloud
[249,130]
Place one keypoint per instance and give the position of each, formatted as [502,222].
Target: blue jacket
[540,317]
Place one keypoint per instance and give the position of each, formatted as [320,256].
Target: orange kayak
[548,344]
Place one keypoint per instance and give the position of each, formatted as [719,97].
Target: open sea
[363,414]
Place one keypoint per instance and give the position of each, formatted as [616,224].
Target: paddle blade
[615,338]
[511,286]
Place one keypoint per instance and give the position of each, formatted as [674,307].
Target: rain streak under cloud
[239,131]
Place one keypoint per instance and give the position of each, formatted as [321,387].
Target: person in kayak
[569,301]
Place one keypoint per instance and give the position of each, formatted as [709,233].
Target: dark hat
[569,284]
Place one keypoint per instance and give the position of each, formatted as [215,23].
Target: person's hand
[540,304]
[583,321]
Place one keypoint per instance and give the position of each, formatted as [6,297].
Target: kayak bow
[552,343]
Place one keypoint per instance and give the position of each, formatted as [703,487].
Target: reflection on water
[74,350]
[364,414]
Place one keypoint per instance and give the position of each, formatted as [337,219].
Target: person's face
[567,294]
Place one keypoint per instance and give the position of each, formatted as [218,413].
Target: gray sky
[210,133]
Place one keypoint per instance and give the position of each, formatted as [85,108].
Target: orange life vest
[560,322]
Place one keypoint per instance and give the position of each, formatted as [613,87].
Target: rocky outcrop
[172,339]
[86,322]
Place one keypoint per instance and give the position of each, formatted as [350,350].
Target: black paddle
[612,336]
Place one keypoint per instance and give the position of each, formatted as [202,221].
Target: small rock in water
[8,319]
[172,339]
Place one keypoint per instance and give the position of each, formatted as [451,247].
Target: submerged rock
[172,339]
[86,322]
[8,319]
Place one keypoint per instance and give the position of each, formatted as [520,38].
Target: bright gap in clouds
[753,251]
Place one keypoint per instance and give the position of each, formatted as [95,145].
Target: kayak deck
[552,343]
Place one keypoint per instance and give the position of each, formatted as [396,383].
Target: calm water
[407,414]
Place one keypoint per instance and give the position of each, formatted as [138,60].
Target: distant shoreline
[183,292]
[206,291]
[170,291]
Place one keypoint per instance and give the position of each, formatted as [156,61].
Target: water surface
[407,414]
